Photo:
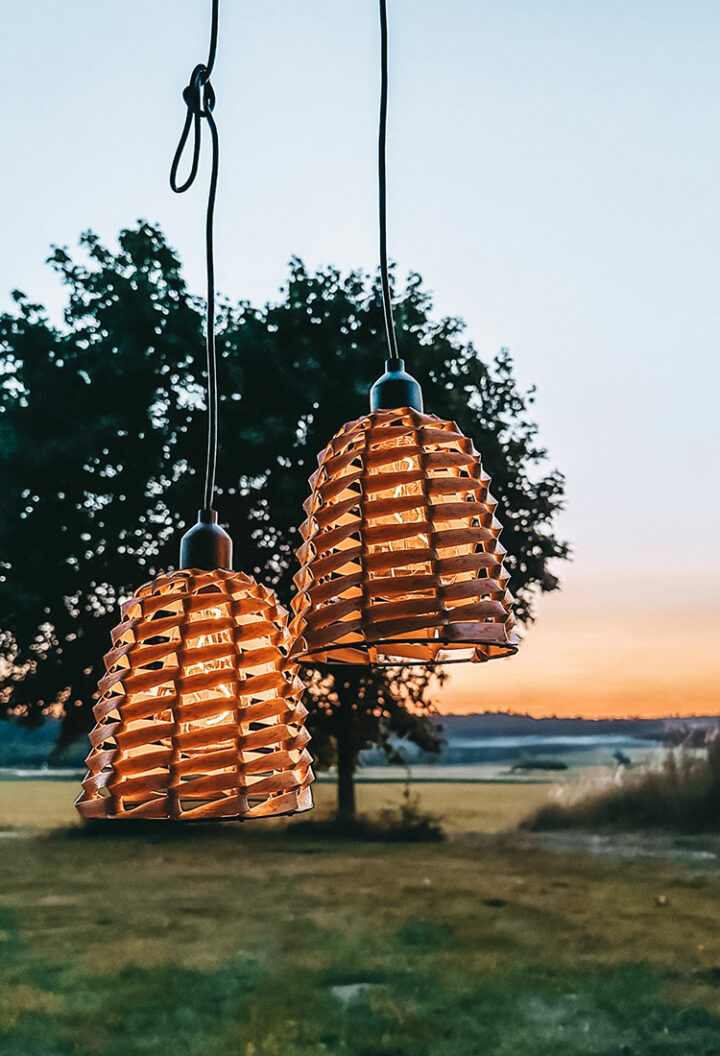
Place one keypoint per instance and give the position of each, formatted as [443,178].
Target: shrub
[406,823]
[683,795]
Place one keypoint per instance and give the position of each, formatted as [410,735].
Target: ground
[259,941]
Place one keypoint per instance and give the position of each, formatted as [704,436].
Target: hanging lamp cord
[199,98]
[382,192]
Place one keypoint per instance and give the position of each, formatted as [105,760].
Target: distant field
[254,941]
[463,807]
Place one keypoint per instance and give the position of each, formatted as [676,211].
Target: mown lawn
[247,941]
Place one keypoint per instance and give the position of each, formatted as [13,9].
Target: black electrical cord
[200,99]
[382,192]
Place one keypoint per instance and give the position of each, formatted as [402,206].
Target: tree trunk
[346,759]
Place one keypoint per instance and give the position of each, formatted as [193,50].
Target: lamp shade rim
[93,815]
[324,654]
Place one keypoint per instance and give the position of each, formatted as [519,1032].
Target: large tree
[101,450]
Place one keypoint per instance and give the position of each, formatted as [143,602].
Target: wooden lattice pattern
[199,714]
[401,559]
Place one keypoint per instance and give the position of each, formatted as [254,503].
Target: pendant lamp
[199,713]
[401,561]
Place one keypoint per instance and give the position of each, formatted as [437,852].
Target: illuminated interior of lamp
[414,513]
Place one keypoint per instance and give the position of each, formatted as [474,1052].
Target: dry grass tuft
[681,795]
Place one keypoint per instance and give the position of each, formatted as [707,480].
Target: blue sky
[554,176]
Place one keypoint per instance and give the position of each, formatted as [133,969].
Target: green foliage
[683,795]
[94,424]
[101,455]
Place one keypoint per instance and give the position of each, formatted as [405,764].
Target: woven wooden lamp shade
[199,715]
[401,559]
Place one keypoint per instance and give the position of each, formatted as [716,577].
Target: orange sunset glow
[600,648]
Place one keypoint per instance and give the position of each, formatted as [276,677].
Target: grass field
[465,807]
[256,941]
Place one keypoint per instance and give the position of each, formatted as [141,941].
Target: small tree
[101,449]
[355,707]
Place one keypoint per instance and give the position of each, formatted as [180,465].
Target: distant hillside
[499,737]
[469,739]
[501,724]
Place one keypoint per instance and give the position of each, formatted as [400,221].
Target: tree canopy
[102,450]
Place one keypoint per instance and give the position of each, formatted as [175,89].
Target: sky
[554,175]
